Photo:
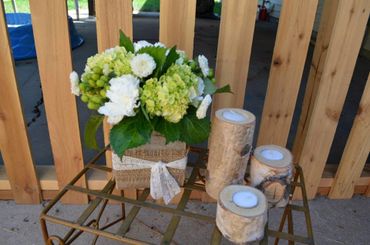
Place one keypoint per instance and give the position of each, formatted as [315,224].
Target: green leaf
[91,128]
[159,56]
[171,131]
[194,130]
[224,89]
[209,86]
[144,112]
[171,58]
[125,41]
[131,132]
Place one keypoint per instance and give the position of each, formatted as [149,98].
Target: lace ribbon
[162,183]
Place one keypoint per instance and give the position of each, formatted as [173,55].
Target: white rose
[141,44]
[75,89]
[203,63]
[202,109]
[195,95]
[200,86]
[123,97]
[143,65]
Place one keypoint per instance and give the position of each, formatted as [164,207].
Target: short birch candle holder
[229,148]
[271,172]
[241,214]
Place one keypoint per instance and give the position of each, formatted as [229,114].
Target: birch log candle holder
[229,148]
[271,172]
[241,214]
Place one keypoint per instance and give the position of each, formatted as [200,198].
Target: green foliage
[194,130]
[209,86]
[91,128]
[125,41]
[129,133]
[171,131]
[190,129]
[170,59]
[224,89]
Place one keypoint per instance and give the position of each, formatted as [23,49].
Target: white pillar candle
[272,154]
[245,199]
[233,116]
[229,147]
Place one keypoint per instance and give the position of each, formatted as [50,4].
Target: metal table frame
[193,183]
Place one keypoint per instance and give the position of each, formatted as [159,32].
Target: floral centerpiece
[141,88]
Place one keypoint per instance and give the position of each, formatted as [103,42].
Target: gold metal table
[87,222]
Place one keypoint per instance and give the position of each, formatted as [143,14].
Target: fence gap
[50,27]
[177,24]
[288,60]
[14,144]
[344,45]
[238,20]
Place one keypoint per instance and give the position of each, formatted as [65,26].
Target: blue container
[21,35]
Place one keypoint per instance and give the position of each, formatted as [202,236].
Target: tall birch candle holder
[229,149]
[271,172]
[241,214]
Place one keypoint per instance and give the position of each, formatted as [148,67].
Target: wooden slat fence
[337,46]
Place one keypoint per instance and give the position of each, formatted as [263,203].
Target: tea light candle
[271,170]
[245,199]
[241,214]
[234,116]
[272,154]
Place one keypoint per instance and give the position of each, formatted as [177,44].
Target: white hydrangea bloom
[159,44]
[75,89]
[202,109]
[203,63]
[181,58]
[123,97]
[141,44]
[143,65]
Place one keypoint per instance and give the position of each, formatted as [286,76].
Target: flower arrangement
[142,87]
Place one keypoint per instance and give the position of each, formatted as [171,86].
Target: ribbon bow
[162,183]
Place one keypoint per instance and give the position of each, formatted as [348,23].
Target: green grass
[24,7]
[142,5]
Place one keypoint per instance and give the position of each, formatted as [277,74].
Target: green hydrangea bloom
[169,97]
[95,79]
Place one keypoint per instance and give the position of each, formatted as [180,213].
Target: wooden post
[14,145]
[356,151]
[234,50]
[319,57]
[110,18]
[177,24]
[50,28]
[348,31]
[292,40]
